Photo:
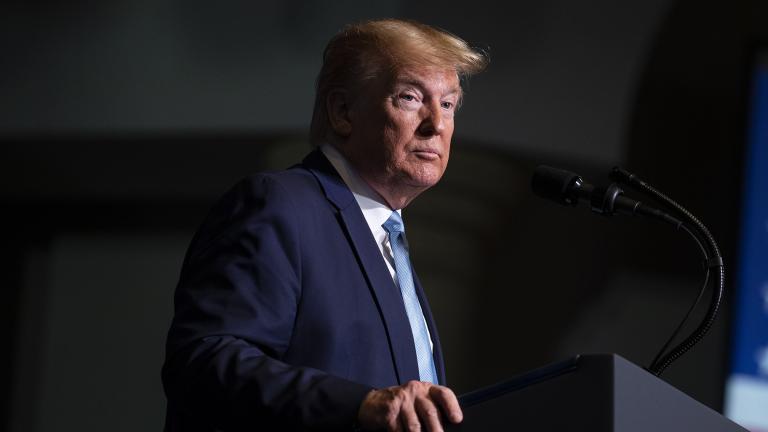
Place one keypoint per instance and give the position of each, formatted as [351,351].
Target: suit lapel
[383,289]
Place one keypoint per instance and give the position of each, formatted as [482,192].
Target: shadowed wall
[122,122]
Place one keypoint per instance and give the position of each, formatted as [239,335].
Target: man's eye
[408,97]
[447,105]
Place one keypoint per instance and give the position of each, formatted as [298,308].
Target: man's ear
[337,106]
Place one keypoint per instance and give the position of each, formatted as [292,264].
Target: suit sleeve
[235,306]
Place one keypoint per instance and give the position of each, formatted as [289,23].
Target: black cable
[698,334]
[692,307]
[713,259]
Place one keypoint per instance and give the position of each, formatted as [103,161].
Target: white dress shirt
[375,211]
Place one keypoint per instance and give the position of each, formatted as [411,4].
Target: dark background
[122,121]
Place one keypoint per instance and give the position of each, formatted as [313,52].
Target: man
[297,308]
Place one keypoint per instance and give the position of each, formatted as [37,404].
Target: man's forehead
[427,77]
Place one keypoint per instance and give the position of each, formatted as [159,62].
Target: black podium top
[596,393]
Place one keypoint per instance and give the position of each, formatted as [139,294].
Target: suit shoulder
[267,190]
[294,180]
[272,196]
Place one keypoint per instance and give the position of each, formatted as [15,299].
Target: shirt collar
[375,211]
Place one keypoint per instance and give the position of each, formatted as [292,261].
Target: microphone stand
[712,259]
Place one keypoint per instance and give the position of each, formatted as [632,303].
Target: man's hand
[411,407]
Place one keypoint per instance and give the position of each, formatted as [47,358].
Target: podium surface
[596,393]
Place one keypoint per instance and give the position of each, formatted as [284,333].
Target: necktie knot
[394,224]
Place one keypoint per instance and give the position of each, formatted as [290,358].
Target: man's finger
[409,419]
[429,414]
[447,401]
[394,404]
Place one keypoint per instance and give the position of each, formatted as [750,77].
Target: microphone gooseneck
[712,259]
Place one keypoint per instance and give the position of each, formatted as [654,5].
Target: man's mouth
[427,154]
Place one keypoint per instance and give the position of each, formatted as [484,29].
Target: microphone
[567,188]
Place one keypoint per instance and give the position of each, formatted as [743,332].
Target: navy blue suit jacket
[285,312]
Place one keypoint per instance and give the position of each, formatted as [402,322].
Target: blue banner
[747,388]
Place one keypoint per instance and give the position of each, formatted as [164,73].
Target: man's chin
[424,182]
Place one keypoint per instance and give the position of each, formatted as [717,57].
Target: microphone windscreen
[553,184]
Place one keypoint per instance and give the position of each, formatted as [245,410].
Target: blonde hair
[364,50]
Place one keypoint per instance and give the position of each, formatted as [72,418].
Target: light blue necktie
[394,226]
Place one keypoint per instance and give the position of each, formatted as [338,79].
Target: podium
[595,393]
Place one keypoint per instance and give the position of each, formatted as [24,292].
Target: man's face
[401,128]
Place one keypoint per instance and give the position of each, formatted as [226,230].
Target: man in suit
[297,307]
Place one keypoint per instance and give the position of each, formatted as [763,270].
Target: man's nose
[433,120]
